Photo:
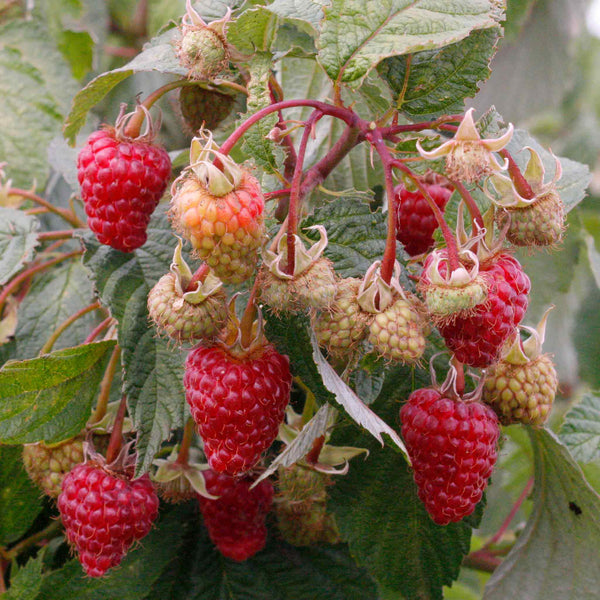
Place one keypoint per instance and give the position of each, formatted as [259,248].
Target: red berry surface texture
[477,338]
[121,184]
[452,446]
[236,519]
[237,403]
[415,221]
[104,514]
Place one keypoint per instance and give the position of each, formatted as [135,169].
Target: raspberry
[237,403]
[183,320]
[122,181]
[452,446]
[226,231]
[477,338]
[203,108]
[415,222]
[344,326]
[236,520]
[397,332]
[204,52]
[48,465]
[302,515]
[521,393]
[104,513]
[540,223]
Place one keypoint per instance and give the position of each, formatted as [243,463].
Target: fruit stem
[47,236]
[10,287]
[339,112]
[441,123]
[198,277]
[116,437]
[105,386]
[312,457]
[50,531]
[67,215]
[514,510]
[460,375]
[295,198]
[521,184]
[482,561]
[453,261]
[47,347]
[249,316]
[97,330]
[134,125]
[476,217]
[389,254]
[188,435]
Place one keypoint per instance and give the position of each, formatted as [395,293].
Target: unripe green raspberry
[48,465]
[301,507]
[314,288]
[203,52]
[397,333]
[181,320]
[539,224]
[203,108]
[342,327]
[521,393]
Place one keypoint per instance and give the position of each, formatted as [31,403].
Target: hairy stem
[198,277]
[47,347]
[188,435]
[46,236]
[105,385]
[67,215]
[116,437]
[521,184]
[476,217]
[98,329]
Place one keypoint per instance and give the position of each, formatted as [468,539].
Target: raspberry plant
[261,261]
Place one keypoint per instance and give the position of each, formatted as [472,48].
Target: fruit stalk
[470,202]
[105,385]
[116,437]
[97,330]
[67,215]
[186,442]
[521,184]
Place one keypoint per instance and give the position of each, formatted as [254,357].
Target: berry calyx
[104,512]
[235,517]
[415,221]
[237,398]
[452,446]
[122,180]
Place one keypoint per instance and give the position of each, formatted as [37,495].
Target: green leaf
[158,55]
[18,239]
[386,525]
[307,12]
[153,377]
[20,500]
[256,144]
[517,13]
[53,297]
[50,398]
[26,584]
[357,34]
[78,48]
[580,431]
[35,90]
[356,235]
[254,30]
[556,556]
[438,81]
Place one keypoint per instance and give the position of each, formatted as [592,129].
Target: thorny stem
[198,277]
[67,215]
[295,198]
[511,515]
[48,532]
[97,330]
[389,254]
[186,442]
[10,287]
[474,211]
[47,347]
[105,386]
[116,437]
[521,184]
[453,260]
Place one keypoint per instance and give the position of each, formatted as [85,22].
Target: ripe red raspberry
[238,403]
[477,338]
[104,513]
[236,520]
[452,446]
[122,181]
[415,222]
